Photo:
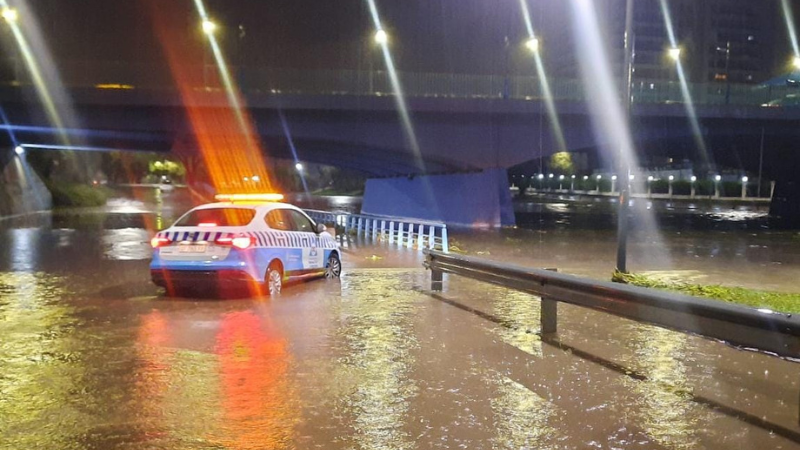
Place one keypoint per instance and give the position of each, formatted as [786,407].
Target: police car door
[312,255]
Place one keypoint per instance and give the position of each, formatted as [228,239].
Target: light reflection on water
[39,362]
[379,344]
[666,412]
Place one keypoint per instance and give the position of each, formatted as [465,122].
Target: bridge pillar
[21,189]
[479,199]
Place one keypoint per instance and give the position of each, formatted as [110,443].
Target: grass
[78,195]
[776,301]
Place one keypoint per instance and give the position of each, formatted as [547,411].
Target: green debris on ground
[776,301]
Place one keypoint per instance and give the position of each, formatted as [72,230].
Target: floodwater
[93,356]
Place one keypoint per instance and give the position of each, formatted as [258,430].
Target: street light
[19,150]
[649,187]
[613,183]
[533,45]
[10,15]
[560,180]
[671,179]
[209,27]
[299,167]
[381,38]
[598,183]
[717,179]
[675,53]
[744,187]
[693,179]
[796,62]
[572,183]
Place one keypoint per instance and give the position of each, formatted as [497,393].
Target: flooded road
[93,356]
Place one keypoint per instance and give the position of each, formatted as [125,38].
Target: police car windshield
[217,217]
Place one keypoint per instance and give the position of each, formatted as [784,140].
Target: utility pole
[623,163]
[760,161]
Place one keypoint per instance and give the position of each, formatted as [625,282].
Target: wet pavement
[93,356]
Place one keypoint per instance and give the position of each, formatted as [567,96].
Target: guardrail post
[410,241]
[383,228]
[431,237]
[436,280]
[445,247]
[549,316]
[360,222]
[391,232]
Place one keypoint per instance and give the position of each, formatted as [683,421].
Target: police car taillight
[241,242]
[157,242]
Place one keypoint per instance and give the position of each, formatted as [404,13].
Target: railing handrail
[739,326]
[381,217]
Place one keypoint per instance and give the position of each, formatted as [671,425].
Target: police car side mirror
[321,227]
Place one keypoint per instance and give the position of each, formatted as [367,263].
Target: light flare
[399,96]
[688,101]
[788,15]
[226,137]
[544,82]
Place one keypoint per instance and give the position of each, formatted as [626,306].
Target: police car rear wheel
[334,267]
[274,280]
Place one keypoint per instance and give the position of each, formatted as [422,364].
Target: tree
[561,163]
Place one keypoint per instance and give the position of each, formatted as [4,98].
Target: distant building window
[751,38]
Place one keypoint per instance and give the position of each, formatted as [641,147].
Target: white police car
[245,239]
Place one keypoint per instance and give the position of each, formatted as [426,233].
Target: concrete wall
[480,199]
[21,189]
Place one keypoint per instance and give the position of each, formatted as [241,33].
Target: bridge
[464,124]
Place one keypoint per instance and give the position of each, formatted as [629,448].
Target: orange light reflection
[231,149]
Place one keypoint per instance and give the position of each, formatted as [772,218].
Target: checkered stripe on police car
[291,240]
[193,236]
[263,238]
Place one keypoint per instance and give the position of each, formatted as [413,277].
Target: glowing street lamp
[381,38]
[19,150]
[671,179]
[572,183]
[649,187]
[717,179]
[560,180]
[209,27]
[693,179]
[796,62]
[744,187]
[533,45]
[299,167]
[10,15]
[598,183]
[613,183]
[675,53]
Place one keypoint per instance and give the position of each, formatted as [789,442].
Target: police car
[244,239]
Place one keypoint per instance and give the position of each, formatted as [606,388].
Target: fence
[403,232]
[753,329]
[76,74]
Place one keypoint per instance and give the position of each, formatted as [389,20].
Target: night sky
[456,36]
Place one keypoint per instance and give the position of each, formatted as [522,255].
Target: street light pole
[624,169]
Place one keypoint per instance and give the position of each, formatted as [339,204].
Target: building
[720,40]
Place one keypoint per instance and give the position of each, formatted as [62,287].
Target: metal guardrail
[742,327]
[401,231]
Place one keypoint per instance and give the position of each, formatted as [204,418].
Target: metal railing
[87,74]
[738,326]
[403,232]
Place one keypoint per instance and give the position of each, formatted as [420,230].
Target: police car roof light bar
[267,197]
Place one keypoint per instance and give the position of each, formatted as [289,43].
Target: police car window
[277,219]
[301,222]
[217,217]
